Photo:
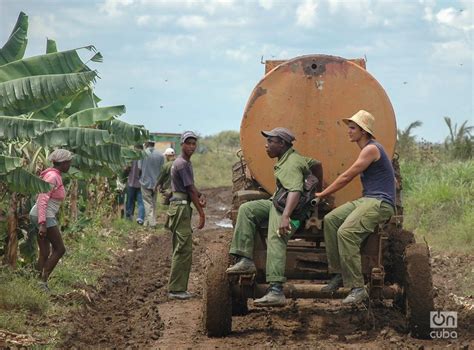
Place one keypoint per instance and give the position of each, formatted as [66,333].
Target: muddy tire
[418,290]
[239,307]
[217,300]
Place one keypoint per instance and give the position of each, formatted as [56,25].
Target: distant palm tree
[405,140]
[460,141]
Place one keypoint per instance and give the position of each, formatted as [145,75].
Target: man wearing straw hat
[346,227]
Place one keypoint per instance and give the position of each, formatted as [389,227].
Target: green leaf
[56,109]
[109,153]
[20,180]
[124,133]
[97,57]
[8,164]
[72,137]
[15,47]
[65,62]
[22,128]
[33,93]
[51,46]
[91,116]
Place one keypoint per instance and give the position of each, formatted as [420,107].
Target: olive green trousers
[250,216]
[179,222]
[345,229]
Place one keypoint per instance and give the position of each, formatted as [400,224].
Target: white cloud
[113,8]
[266,4]
[306,13]
[143,20]
[192,22]
[43,27]
[459,19]
[176,45]
[428,14]
[454,52]
[241,54]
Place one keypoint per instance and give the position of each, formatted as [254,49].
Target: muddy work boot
[274,297]
[180,295]
[243,266]
[334,284]
[356,296]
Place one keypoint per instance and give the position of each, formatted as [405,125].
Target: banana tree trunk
[73,202]
[12,220]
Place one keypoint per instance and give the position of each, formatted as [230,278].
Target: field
[110,289]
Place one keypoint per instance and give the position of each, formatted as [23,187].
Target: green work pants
[345,229]
[179,222]
[250,216]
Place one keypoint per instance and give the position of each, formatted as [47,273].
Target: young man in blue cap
[179,217]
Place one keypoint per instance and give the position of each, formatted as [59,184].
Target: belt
[178,201]
[180,195]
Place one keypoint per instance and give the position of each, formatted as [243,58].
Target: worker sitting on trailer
[290,171]
[347,227]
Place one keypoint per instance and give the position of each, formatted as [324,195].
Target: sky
[192,64]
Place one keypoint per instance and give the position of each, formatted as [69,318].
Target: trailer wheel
[217,300]
[418,290]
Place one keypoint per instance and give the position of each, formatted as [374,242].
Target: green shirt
[164,180]
[291,169]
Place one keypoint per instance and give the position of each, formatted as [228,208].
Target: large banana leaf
[124,133]
[57,108]
[22,128]
[32,93]
[86,99]
[20,180]
[89,167]
[15,47]
[130,154]
[109,153]
[51,46]
[91,116]
[53,63]
[72,137]
[8,164]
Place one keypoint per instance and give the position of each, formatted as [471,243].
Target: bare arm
[195,197]
[366,157]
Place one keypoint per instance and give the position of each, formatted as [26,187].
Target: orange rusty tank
[310,95]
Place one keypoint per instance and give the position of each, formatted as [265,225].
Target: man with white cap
[290,171]
[346,227]
[150,169]
[164,180]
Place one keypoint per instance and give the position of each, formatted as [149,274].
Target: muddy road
[130,308]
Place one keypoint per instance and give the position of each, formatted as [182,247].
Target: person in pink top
[43,213]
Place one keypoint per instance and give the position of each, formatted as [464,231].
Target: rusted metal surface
[310,95]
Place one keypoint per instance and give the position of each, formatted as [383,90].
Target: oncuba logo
[442,324]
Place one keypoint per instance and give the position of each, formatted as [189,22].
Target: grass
[439,203]
[214,168]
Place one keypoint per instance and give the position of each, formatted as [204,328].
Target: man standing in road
[179,217]
[290,171]
[163,184]
[150,169]
[346,227]
[134,191]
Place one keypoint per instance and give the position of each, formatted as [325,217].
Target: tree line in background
[459,144]
[48,102]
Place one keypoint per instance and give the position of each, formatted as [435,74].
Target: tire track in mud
[130,309]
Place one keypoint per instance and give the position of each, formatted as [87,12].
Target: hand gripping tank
[310,95]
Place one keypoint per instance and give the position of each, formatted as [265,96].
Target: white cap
[169,152]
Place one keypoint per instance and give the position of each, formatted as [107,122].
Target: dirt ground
[130,308]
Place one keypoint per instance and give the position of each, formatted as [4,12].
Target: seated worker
[290,171]
[346,227]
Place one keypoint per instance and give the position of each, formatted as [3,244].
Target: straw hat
[364,119]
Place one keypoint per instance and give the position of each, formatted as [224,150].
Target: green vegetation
[439,203]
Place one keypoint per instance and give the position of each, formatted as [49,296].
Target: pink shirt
[53,176]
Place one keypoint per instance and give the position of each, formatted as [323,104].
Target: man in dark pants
[134,192]
[347,226]
[179,217]
[290,171]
